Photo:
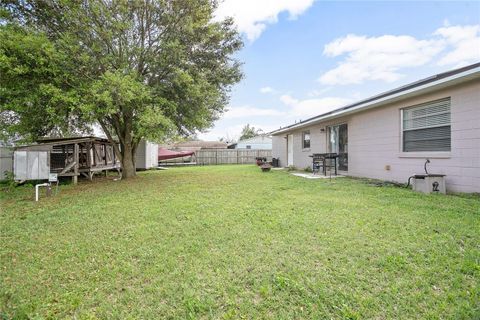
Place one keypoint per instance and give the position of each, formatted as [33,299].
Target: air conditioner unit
[429,183]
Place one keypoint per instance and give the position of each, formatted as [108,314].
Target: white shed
[147,155]
[261,142]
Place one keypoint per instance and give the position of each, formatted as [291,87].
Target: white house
[389,136]
[260,142]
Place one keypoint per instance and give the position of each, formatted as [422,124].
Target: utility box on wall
[429,183]
[31,165]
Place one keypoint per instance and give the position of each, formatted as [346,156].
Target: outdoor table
[320,160]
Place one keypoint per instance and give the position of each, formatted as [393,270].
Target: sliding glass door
[338,143]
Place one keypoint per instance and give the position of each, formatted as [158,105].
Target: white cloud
[312,107]
[463,42]
[291,109]
[382,58]
[267,90]
[319,92]
[253,16]
[376,58]
[288,100]
[249,112]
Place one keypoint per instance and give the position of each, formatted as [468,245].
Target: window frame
[421,154]
[305,132]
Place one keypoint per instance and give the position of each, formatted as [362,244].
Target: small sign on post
[53,177]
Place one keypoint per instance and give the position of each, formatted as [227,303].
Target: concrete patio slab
[315,176]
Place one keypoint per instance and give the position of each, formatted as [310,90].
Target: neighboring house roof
[432,83]
[256,139]
[201,144]
[72,139]
[58,141]
[232,145]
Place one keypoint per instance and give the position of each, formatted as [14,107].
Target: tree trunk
[128,161]
[128,145]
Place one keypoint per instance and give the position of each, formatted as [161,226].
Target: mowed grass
[233,242]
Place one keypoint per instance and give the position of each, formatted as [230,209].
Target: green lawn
[233,242]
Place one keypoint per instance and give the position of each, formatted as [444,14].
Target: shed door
[289,150]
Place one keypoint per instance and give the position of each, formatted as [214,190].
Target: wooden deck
[72,157]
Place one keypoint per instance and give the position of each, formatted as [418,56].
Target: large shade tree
[140,69]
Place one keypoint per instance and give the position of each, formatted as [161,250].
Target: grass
[232,242]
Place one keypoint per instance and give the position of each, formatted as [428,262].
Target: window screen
[426,127]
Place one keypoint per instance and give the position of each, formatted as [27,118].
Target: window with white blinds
[426,127]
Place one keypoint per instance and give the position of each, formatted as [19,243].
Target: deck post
[105,153]
[75,167]
[89,158]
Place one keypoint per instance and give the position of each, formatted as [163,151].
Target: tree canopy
[249,132]
[140,69]
[35,98]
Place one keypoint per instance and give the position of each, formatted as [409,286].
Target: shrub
[9,183]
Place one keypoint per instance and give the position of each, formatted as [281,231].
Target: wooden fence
[230,156]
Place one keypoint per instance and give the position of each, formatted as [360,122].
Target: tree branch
[110,138]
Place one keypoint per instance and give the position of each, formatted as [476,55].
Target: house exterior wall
[254,146]
[260,142]
[279,149]
[318,143]
[374,141]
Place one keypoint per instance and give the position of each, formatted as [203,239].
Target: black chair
[318,163]
[324,161]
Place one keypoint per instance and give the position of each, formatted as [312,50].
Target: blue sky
[304,57]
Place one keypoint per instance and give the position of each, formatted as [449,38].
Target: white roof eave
[428,87]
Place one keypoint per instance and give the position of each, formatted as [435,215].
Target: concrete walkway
[315,176]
